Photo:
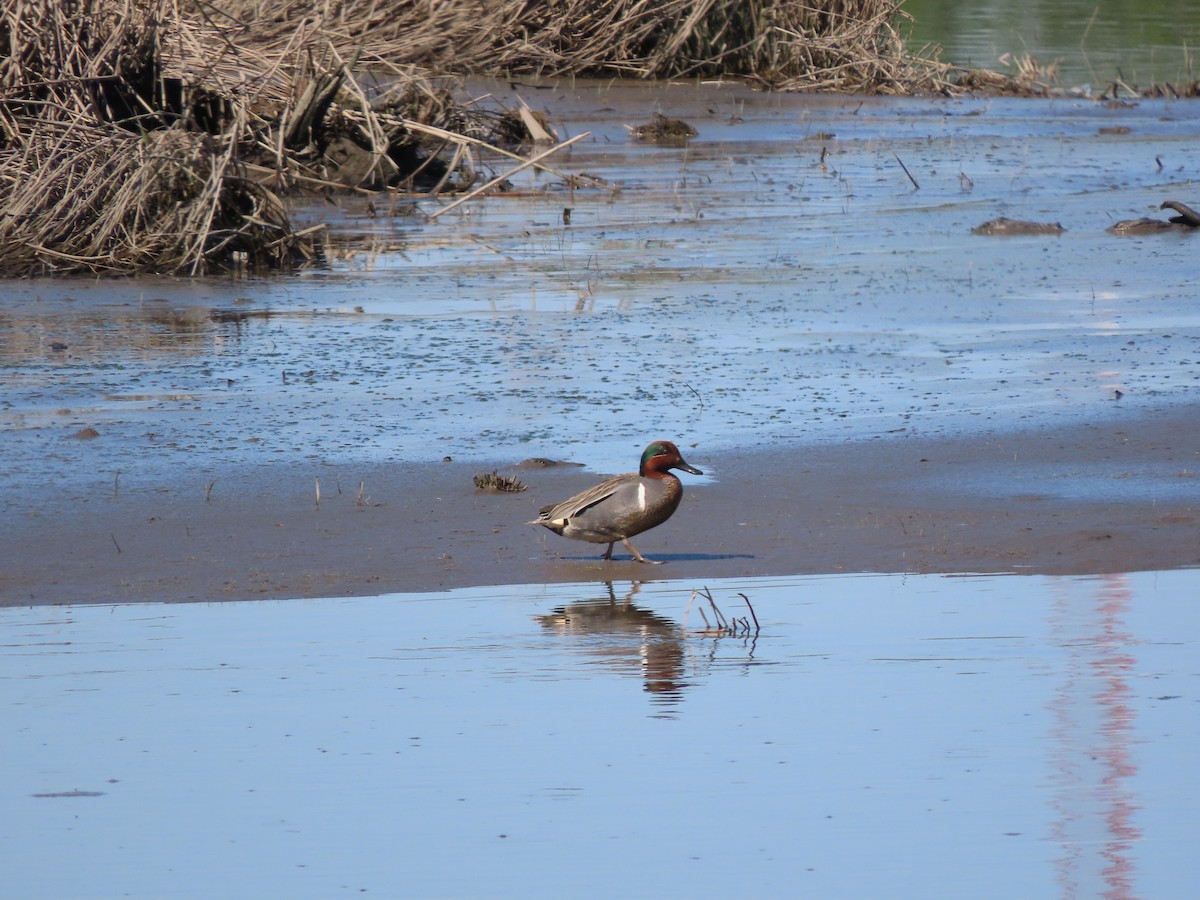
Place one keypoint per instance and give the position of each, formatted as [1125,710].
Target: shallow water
[1089,42]
[881,736]
[746,285]
[920,736]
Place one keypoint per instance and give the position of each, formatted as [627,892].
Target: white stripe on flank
[641,496]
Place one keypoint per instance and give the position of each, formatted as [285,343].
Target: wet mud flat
[794,289]
[1067,501]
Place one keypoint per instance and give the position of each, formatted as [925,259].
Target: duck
[624,505]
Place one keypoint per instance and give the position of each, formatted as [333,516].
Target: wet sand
[1113,497]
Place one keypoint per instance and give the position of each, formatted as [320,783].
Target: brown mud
[1075,500]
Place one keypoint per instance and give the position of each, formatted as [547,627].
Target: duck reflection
[627,639]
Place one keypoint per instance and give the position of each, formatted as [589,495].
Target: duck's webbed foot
[638,556]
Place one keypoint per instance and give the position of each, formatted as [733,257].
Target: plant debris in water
[1007,227]
[1187,220]
[664,130]
[494,481]
[722,625]
[542,462]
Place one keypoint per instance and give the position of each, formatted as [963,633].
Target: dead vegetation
[815,44]
[109,164]
[722,625]
[663,130]
[166,135]
[494,481]
[161,136]
[1187,221]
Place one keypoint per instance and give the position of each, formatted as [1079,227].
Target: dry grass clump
[162,134]
[1187,89]
[854,46]
[65,58]
[494,481]
[107,164]
[1026,77]
[102,199]
[821,44]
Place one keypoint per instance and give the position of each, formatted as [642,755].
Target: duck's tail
[555,525]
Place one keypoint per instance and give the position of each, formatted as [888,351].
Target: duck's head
[661,456]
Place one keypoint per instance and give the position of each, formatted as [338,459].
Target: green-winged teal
[625,505]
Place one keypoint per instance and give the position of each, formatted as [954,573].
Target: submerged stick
[751,608]
[721,621]
[906,172]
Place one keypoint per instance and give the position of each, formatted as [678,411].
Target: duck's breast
[652,501]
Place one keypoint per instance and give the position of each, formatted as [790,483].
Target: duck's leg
[608,552]
[638,556]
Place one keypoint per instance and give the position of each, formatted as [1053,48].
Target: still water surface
[882,736]
[1091,42]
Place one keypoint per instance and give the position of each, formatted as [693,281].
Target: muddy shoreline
[1119,496]
[923,399]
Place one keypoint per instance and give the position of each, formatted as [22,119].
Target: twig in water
[114,540]
[697,393]
[721,620]
[751,608]
[208,490]
[117,484]
[499,178]
[905,168]
[724,627]
[318,481]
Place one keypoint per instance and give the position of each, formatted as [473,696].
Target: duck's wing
[569,509]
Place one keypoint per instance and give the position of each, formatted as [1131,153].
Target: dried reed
[828,44]
[722,625]
[162,134]
[107,164]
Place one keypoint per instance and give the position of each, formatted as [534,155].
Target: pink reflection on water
[1091,758]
